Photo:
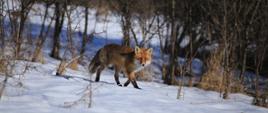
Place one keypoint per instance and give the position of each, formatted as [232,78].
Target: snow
[185,41]
[43,92]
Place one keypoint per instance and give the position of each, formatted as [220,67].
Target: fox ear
[150,50]
[137,49]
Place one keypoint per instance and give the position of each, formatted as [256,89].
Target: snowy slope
[42,92]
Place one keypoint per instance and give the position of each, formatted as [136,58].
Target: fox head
[143,56]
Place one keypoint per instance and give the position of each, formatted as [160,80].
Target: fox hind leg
[116,75]
[100,69]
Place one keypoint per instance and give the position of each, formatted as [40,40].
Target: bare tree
[124,9]
[26,6]
[260,40]
[2,33]
[260,54]
[37,55]
[125,21]
[71,45]
[85,36]
[59,13]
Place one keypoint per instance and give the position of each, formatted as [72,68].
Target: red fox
[123,59]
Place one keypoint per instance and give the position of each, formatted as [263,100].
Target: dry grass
[212,79]
[74,65]
[3,66]
[261,101]
[38,57]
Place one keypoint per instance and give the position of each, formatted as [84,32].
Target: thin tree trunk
[227,85]
[126,30]
[173,55]
[190,59]
[59,12]
[84,40]
[19,39]
[71,47]
[3,86]
[260,55]
[126,23]
[241,76]
[2,33]
[226,50]
[41,39]
[12,19]
[257,92]
[25,9]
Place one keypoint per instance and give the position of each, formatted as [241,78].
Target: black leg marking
[98,73]
[116,76]
[126,83]
[134,83]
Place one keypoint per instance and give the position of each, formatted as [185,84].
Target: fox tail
[95,63]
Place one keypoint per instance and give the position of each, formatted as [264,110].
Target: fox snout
[145,62]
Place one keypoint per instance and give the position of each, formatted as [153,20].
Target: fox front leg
[132,79]
[127,82]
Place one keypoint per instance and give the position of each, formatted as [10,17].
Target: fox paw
[119,85]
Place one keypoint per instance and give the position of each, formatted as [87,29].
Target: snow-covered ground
[43,92]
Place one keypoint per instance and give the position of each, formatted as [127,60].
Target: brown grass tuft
[212,79]
[74,65]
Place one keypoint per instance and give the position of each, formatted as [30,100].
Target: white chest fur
[138,66]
